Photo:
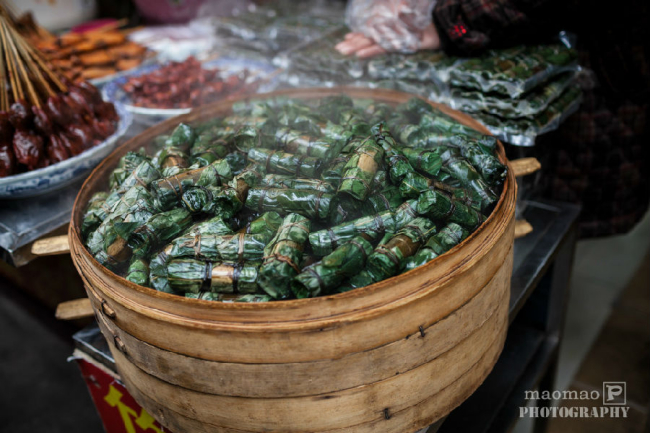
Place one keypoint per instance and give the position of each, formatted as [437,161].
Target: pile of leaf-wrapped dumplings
[292,199]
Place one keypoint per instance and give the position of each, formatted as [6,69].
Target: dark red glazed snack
[184,85]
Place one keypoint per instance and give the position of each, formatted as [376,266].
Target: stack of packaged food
[518,93]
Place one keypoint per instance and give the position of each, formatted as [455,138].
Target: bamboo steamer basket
[392,357]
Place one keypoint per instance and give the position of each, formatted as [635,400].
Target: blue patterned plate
[42,180]
[113,92]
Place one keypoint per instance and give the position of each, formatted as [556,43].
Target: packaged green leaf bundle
[514,71]
[324,196]
[524,131]
[422,66]
[528,105]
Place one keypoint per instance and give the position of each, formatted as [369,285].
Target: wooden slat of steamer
[287,311]
[298,379]
[406,421]
[303,343]
[337,410]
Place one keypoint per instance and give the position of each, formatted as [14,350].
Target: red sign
[118,410]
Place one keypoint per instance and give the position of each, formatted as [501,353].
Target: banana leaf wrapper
[158,275]
[250,177]
[371,227]
[311,204]
[266,224]
[414,109]
[235,247]
[290,182]
[208,148]
[415,184]
[138,272]
[425,161]
[136,205]
[380,182]
[194,276]
[362,279]
[125,167]
[246,138]
[182,138]
[169,190]
[253,298]
[237,161]
[157,231]
[360,170]
[441,207]
[212,226]
[331,107]
[486,163]
[143,175]
[447,238]
[239,120]
[333,173]
[353,119]
[286,163]
[212,200]
[398,164]
[296,142]
[515,71]
[283,255]
[170,157]
[422,137]
[96,212]
[106,243]
[463,171]
[204,296]
[324,276]
[448,124]
[389,259]
[356,141]
[347,208]
[376,112]
[389,198]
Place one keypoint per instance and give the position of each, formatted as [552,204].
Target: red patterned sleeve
[470,26]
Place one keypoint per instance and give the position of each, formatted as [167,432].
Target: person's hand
[365,47]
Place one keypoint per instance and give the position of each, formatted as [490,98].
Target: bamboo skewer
[15,88]
[23,69]
[32,66]
[20,66]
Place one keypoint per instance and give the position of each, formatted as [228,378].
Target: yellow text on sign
[128,414]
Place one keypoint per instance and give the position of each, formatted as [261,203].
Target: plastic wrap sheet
[396,25]
[321,59]
[422,66]
[529,105]
[523,131]
[430,90]
[275,28]
[514,71]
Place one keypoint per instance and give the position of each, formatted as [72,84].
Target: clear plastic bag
[422,66]
[514,71]
[529,105]
[523,131]
[320,59]
[394,24]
